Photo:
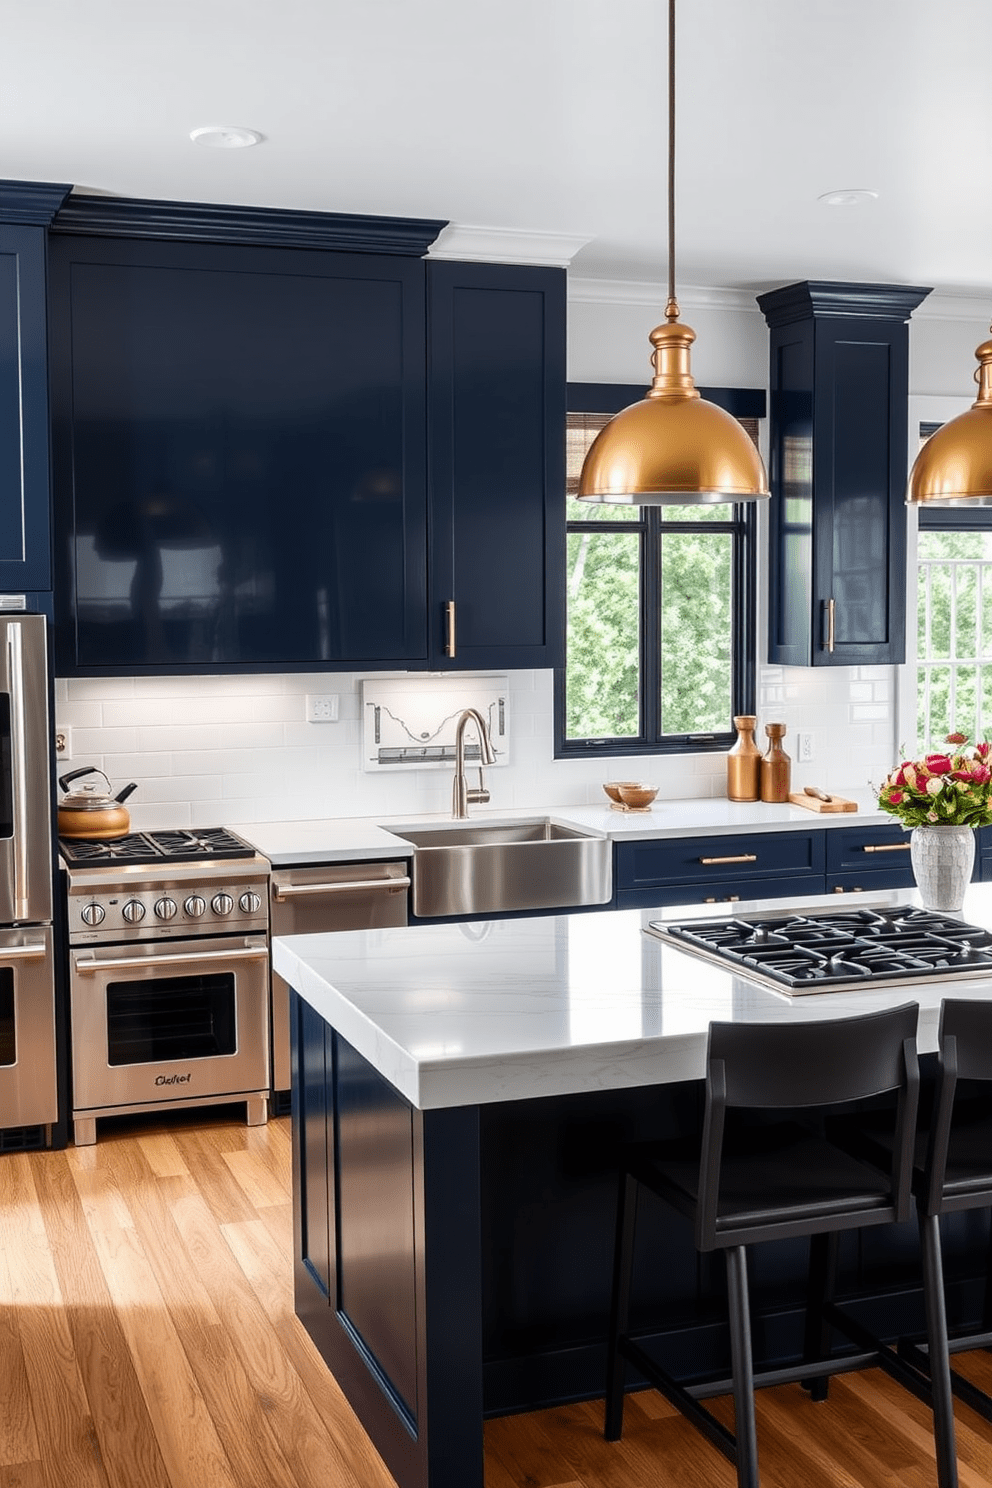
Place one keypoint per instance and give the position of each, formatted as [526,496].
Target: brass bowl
[636,795]
[614,787]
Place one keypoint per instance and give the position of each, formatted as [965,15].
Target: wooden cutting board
[836,803]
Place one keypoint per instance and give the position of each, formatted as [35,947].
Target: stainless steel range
[169,977]
[837,951]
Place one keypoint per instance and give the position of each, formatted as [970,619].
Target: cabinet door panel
[241,453]
[25,560]
[497,413]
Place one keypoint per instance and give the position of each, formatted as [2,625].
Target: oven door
[28,1086]
[181,1021]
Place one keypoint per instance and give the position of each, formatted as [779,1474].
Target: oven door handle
[89,965]
[345,886]
[22,953]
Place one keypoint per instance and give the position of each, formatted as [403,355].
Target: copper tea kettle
[87,812]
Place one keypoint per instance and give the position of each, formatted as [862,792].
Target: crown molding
[31,203]
[507,245]
[653,295]
[949,304]
[215,223]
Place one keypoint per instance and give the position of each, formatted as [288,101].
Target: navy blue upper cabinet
[496,411]
[240,455]
[25,499]
[837,552]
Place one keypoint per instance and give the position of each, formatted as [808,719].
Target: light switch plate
[322,707]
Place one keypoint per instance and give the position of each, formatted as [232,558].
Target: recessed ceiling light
[225,137]
[848,198]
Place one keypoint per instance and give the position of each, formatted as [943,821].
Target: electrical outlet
[322,707]
[63,742]
[804,748]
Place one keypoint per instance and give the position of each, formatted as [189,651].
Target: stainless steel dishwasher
[312,900]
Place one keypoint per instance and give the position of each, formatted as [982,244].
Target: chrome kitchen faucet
[461,796]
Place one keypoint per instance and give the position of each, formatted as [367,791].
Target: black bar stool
[775,1176]
[953,1172]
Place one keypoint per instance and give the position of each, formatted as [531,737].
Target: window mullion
[650,687]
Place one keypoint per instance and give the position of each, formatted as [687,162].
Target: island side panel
[387,1256]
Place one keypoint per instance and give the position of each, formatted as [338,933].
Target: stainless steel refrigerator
[28,1070]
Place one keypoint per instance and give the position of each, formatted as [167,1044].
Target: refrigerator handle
[18,770]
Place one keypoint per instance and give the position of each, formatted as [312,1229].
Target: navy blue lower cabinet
[688,870]
[861,858]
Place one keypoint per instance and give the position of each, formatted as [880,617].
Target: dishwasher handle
[344,886]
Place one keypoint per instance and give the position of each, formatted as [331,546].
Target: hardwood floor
[147,1340]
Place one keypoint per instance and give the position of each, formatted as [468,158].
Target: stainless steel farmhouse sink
[485,867]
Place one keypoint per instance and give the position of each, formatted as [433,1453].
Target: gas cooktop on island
[837,951]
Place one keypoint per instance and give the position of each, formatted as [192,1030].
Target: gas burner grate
[834,950]
[196,845]
[134,847]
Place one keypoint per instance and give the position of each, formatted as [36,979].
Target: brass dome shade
[672,448]
[954,467]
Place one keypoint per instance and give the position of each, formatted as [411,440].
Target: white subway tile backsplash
[238,748]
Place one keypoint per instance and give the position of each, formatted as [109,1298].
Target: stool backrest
[965,1053]
[775,1066]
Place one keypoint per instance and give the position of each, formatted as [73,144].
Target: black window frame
[610,398]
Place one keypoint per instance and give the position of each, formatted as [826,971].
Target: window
[660,616]
[953,621]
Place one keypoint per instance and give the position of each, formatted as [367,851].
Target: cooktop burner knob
[249,903]
[222,904]
[92,914]
[194,906]
[166,908]
[133,911]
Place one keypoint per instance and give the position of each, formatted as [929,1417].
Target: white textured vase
[942,858]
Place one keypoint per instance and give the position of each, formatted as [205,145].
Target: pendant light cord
[671,309]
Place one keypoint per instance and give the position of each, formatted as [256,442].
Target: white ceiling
[540,115]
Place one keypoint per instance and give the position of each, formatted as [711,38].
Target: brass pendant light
[954,467]
[672,448]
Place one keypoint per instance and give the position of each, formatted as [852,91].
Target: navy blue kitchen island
[460,1096]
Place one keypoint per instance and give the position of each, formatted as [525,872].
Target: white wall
[209,750]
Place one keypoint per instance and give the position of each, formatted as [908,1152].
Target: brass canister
[776,767]
[744,762]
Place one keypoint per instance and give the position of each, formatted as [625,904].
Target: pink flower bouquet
[942,790]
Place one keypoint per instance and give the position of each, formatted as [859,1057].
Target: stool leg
[743,1369]
[819,1291]
[987,1301]
[623,1265]
[940,1368]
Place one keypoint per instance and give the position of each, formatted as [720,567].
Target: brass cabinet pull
[831,624]
[449,616]
[738,858]
[887,847]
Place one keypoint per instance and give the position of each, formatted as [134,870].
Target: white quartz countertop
[344,839]
[472,1013]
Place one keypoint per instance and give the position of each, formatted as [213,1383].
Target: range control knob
[133,911]
[194,906]
[249,903]
[92,914]
[166,908]
[222,904]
